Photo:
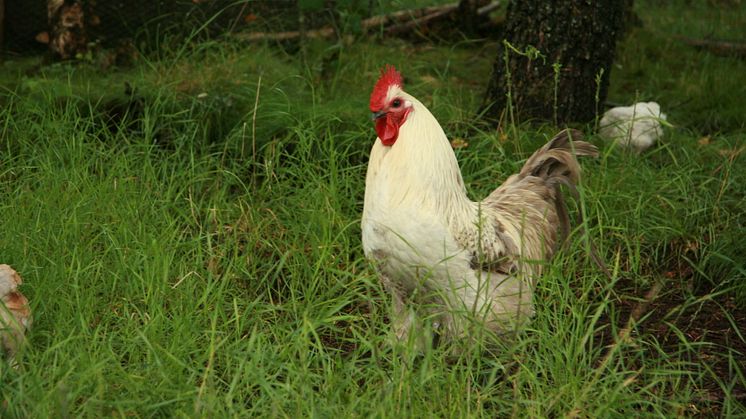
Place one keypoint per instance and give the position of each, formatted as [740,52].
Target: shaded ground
[703,327]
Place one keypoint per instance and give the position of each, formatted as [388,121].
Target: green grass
[700,90]
[201,256]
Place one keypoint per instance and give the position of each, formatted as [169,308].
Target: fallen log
[415,23]
[391,23]
[717,47]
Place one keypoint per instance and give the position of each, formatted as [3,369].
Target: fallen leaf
[429,79]
[459,143]
[42,37]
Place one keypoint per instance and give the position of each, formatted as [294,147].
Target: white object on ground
[638,126]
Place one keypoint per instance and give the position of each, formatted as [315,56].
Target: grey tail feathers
[557,164]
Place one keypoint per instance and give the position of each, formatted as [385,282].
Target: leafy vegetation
[190,244]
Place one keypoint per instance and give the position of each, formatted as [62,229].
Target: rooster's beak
[376,115]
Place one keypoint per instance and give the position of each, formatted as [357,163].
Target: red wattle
[387,131]
[387,127]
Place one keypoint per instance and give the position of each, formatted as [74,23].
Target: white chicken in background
[15,315]
[638,126]
[445,259]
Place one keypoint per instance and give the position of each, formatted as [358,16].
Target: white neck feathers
[420,168]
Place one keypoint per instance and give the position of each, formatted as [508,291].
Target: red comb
[389,77]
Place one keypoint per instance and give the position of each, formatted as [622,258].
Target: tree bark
[555,61]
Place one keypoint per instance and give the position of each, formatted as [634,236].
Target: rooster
[447,261]
[15,316]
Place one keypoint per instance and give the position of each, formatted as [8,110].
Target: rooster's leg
[402,318]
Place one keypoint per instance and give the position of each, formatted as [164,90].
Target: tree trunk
[555,62]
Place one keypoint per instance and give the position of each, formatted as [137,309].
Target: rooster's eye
[396,103]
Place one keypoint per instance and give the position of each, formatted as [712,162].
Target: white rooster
[15,316]
[444,258]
